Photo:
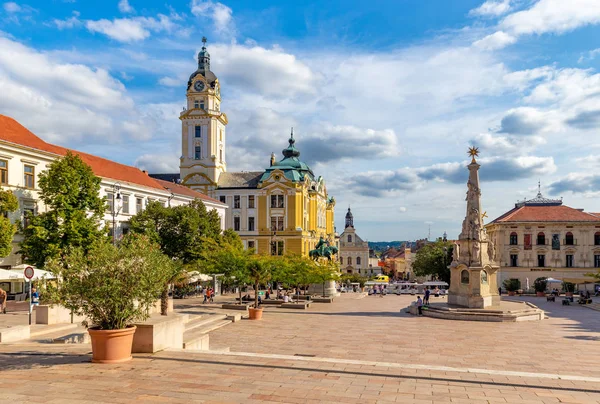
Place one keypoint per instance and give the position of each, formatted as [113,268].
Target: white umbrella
[37,274]
[552,280]
[11,275]
[527,283]
[197,277]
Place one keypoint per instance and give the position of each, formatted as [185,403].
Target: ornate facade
[542,237]
[354,252]
[284,208]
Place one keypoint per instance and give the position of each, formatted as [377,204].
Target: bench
[550,298]
[300,306]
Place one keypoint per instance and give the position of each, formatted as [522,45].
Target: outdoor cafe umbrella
[37,273]
[552,280]
[6,275]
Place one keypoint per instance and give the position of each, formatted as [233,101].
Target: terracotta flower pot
[112,346]
[255,314]
[510,293]
[569,294]
[540,294]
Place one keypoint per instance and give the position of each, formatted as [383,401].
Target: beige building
[542,237]
[354,252]
[128,190]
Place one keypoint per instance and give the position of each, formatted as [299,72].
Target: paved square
[354,350]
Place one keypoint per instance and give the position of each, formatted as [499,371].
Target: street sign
[28,272]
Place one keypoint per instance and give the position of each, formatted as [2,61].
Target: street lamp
[116,197]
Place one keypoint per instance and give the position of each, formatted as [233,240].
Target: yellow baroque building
[282,209]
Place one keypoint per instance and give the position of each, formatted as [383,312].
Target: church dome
[203,66]
[349,218]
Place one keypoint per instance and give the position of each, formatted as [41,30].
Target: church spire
[349,219]
[203,57]
[291,150]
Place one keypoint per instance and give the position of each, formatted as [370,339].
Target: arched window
[349,238]
[357,260]
[349,260]
[541,239]
[464,276]
[514,239]
[484,277]
[341,260]
[569,239]
[597,238]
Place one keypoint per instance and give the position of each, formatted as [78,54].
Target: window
[569,261]
[541,260]
[196,104]
[250,201]
[29,178]
[251,245]
[277,201]
[223,199]
[541,239]
[236,201]
[198,131]
[236,223]
[198,153]
[251,224]
[138,205]
[277,247]
[3,172]
[125,204]
[597,238]
[276,223]
[596,261]
[464,276]
[110,200]
[202,105]
[514,239]
[349,260]
[28,212]
[514,260]
[125,230]
[569,239]
[357,260]
[349,238]
[221,155]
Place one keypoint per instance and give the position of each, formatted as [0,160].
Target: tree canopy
[70,191]
[8,204]
[431,259]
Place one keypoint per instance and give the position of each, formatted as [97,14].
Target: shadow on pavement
[30,359]
[459,379]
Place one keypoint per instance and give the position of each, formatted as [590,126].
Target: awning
[580,281]
[552,280]
[198,277]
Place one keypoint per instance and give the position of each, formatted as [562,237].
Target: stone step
[81,337]
[41,330]
[203,321]
[198,338]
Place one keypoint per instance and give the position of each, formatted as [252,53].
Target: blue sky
[385,96]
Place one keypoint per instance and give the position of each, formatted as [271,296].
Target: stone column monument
[473,272]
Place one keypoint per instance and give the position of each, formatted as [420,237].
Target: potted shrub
[112,286]
[259,271]
[511,285]
[540,286]
[569,288]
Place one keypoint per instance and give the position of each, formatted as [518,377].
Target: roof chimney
[145,172]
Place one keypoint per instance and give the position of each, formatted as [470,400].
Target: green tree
[259,271]
[433,260]
[325,271]
[8,204]
[70,191]
[183,234]
[113,286]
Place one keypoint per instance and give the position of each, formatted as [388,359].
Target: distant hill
[380,246]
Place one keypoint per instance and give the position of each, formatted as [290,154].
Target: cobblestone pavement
[355,350]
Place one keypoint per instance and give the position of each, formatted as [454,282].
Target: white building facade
[354,252]
[128,190]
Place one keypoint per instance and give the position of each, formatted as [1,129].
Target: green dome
[293,168]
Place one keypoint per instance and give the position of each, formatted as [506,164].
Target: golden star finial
[473,152]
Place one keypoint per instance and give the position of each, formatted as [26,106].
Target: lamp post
[116,197]
[171,196]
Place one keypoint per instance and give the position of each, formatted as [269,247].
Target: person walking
[35,297]
[205,296]
[211,295]
[420,305]
[3,297]
[427,294]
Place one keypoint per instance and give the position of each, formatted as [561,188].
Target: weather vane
[473,152]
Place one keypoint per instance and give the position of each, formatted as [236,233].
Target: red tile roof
[546,214]
[183,190]
[13,132]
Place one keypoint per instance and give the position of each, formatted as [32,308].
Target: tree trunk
[240,290]
[164,301]
[256,295]
[323,289]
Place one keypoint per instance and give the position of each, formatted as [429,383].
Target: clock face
[199,86]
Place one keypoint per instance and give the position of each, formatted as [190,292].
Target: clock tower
[202,129]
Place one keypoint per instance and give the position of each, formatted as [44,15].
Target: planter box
[156,308]
[158,333]
[45,314]
[512,293]
[322,300]
[540,294]
[300,306]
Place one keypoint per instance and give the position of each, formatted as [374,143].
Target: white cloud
[125,7]
[12,7]
[170,82]
[68,23]
[158,163]
[491,8]
[556,16]
[220,14]
[93,103]
[130,29]
[497,40]
[591,55]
